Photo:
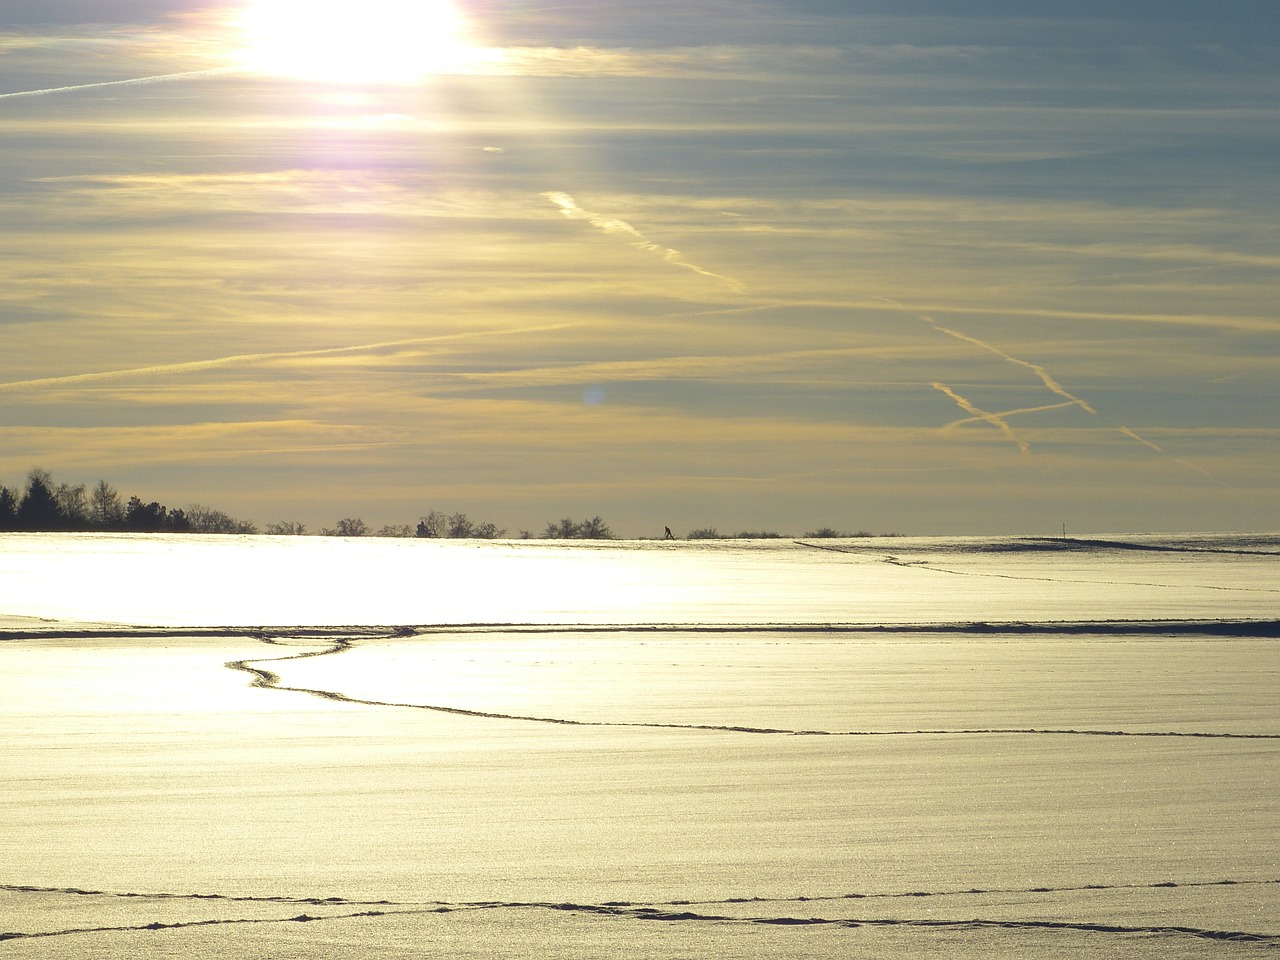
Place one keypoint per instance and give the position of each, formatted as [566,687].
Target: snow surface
[857,748]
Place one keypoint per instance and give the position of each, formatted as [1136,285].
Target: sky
[912,266]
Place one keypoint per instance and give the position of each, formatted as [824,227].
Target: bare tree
[434,524]
[287,528]
[74,504]
[348,527]
[457,525]
[568,529]
[105,505]
[595,529]
[208,520]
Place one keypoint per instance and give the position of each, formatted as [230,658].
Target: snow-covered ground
[854,748]
[249,581]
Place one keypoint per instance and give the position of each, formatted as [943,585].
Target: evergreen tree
[39,510]
[8,509]
[145,517]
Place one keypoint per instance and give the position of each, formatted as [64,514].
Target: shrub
[706,533]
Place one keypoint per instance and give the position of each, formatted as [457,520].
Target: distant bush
[567,529]
[287,528]
[347,527]
[706,533]
[457,526]
[829,533]
[760,535]
[206,520]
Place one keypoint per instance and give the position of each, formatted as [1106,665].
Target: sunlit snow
[883,747]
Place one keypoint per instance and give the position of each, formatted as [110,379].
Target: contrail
[992,418]
[1039,371]
[569,207]
[239,358]
[1012,413]
[1048,381]
[135,81]
[1146,443]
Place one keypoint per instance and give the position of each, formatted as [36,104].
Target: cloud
[240,359]
[209,442]
[718,367]
[707,61]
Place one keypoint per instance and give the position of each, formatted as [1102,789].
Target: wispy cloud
[686,62]
[717,367]
[192,366]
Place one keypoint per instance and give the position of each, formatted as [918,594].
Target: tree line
[45,506]
[457,526]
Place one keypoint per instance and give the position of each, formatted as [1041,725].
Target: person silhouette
[669,535]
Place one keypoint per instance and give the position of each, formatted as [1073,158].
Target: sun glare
[340,41]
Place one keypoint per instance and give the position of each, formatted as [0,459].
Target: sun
[353,41]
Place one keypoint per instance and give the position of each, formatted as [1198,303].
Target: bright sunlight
[353,41]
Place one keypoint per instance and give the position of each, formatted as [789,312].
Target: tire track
[979,892]
[800,898]
[1255,628]
[929,566]
[230,898]
[665,913]
[268,680]
[157,925]
[977,923]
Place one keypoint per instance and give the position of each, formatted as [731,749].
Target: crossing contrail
[135,81]
[1039,371]
[1012,413]
[994,419]
[1048,381]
